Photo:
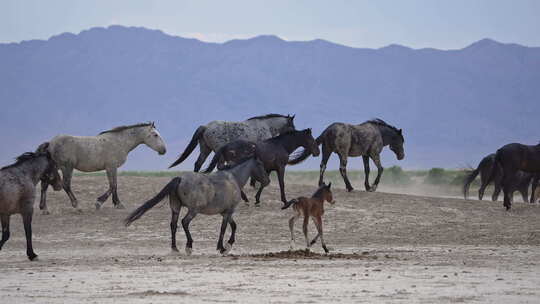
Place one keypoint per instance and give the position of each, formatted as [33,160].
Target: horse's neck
[386,134]
[34,168]
[271,124]
[289,142]
[241,173]
[127,140]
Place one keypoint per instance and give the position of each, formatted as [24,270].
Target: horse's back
[218,133]
[352,140]
[85,153]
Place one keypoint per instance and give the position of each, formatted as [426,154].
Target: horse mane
[122,128]
[272,115]
[380,122]
[291,132]
[23,158]
[319,192]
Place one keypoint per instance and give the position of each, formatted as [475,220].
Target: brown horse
[311,207]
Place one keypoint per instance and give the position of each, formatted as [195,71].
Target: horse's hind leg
[43,197]
[291,227]
[343,171]
[305,230]
[185,224]
[27,221]
[204,152]
[66,175]
[102,198]
[534,186]
[318,224]
[174,226]
[5,229]
[113,184]
[324,160]
[365,159]
[232,238]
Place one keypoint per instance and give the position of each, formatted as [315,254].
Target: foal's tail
[191,146]
[167,190]
[468,180]
[303,154]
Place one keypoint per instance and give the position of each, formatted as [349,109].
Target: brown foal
[311,207]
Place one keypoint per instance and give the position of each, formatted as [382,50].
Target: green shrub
[436,176]
[396,176]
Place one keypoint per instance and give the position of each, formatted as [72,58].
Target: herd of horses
[244,150]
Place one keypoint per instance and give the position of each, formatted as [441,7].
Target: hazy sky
[415,23]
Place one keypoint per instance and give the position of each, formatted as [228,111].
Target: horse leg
[174,226]
[535,180]
[507,188]
[291,227]
[524,193]
[324,161]
[66,175]
[204,152]
[113,183]
[224,222]
[304,230]
[104,196]
[380,169]
[497,184]
[244,196]
[258,194]
[318,224]
[27,222]
[232,238]
[43,198]
[343,171]
[185,224]
[281,180]
[318,233]
[5,229]
[365,158]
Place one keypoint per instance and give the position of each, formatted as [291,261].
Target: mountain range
[454,106]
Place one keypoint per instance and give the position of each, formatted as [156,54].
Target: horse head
[153,139]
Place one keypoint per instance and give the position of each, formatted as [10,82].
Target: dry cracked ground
[385,248]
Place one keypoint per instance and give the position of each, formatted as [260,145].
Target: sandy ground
[386,248]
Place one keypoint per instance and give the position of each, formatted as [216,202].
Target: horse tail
[191,146]
[303,154]
[215,160]
[468,180]
[167,190]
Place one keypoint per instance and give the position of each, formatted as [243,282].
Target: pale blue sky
[419,23]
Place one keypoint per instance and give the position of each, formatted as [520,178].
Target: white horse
[107,151]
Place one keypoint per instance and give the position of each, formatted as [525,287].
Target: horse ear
[400,131]
[153,125]
[329,184]
[292,117]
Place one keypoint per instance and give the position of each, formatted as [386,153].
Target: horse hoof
[228,248]
[98,206]
[33,257]
[189,251]
[257,205]
[45,212]
[350,189]
[119,206]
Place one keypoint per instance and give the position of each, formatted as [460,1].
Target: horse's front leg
[535,181]
[185,224]
[27,222]
[104,196]
[259,192]
[324,160]
[380,169]
[365,159]
[43,197]
[224,223]
[232,238]
[281,180]
[5,229]
[113,184]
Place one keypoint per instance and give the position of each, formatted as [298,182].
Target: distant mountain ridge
[454,105]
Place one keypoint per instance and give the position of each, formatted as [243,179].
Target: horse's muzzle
[161,152]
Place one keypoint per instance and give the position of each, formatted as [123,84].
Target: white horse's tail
[167,190]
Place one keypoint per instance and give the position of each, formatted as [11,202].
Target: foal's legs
[185,224]
[5,229]
[27,222]
[204,152]
[377,160]
[66,175]
[324,160]
[43,197]
[365,158]
[291,227]
[224,222]
[304,229]
[318,224]
[343,171]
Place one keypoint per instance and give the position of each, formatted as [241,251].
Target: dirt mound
[307,254]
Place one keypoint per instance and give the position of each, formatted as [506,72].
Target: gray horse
[366,139]
[18,190]
[215,134]
[216,193]
[107,151]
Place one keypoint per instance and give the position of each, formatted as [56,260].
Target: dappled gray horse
[215,193]
[215,134]
[107,151]
[366,139]
[18,190]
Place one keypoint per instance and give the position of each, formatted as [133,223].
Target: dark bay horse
[521,181]
[273,152]
[216,134]
[18,191]
[311,207]
[513,158]
[216,193]
[366,139]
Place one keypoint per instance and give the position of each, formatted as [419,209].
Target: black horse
[273,152]
[514,157]
[521,181]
